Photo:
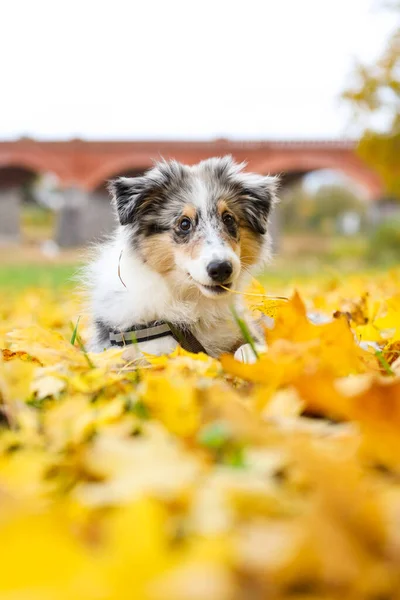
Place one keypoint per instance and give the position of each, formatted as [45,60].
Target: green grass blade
[245,331]
[75,331]
[215,435]
[77,338]
[384,362]
[85,354]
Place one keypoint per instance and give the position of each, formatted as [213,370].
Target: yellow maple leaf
[389,325]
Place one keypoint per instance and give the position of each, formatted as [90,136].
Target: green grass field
[21,276]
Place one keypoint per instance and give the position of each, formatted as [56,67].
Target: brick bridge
[83,167]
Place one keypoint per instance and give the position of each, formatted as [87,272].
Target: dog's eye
[228,219]
[185,224]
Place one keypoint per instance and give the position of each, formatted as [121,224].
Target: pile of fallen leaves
[200,479]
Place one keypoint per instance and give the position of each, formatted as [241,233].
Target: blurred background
[305,89]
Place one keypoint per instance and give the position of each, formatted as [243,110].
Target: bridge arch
[22,211]
[13,175]
[305,163]
[35,162]
[126,166]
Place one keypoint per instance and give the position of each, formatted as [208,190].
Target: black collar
[153,331]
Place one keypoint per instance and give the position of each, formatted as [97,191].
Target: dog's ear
[128,193]
[134,196]
[257,199]
[254,194]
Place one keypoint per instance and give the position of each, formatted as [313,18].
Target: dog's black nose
[220,271]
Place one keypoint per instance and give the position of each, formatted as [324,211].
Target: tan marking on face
[250,247]
[234,244]
[190,250]
[189,211]
[223,206]
[158,252]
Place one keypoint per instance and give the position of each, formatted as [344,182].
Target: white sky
[181,69]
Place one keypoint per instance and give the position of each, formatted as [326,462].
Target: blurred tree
[332,201]
[375,98]
[318,211]
[295,207]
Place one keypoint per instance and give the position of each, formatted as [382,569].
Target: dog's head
[208,221]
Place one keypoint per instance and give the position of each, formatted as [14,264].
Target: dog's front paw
[245,353]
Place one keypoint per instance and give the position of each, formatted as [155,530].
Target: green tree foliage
[384,242]
[375,98]
[318,211]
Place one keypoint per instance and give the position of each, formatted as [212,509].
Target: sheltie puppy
[187,237]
